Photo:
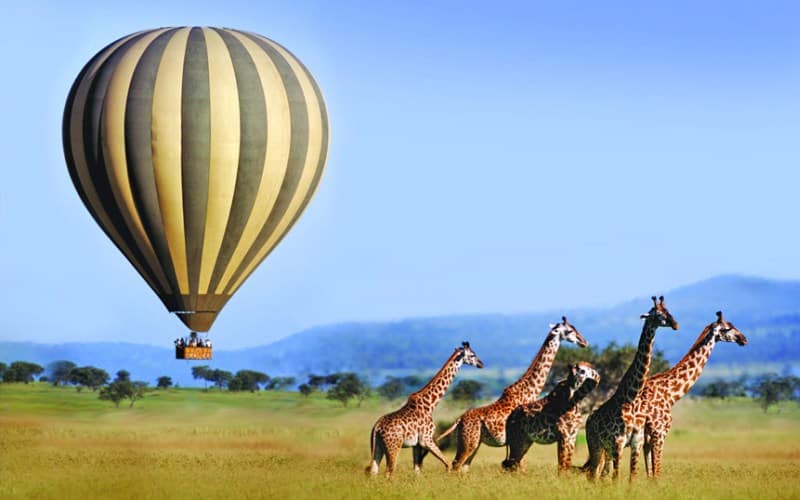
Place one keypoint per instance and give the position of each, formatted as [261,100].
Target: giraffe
[611,427]
[487,424]
[412,425]
[662,391]
[555,418]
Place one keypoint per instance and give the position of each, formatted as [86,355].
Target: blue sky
[499,157]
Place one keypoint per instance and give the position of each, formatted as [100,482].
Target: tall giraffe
[662,391]
[555,418]
[611,427]
[487,424]
[412,425]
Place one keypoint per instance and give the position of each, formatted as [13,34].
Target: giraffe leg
[657,448]
[616,454]
[659,436]
[566,448]
[392,449]
[418,453]
[567,435]
[605,464]
[431,446]
[648,451]
[422,454]
[517,447]
[469,460]
[596,456]
[469,438]
[637,441]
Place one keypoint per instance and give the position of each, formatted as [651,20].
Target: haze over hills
[766,311]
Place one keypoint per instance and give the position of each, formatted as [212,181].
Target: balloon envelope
[195,150]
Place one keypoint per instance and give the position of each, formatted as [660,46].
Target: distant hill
[766,311]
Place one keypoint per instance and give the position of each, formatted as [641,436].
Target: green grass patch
[190,443]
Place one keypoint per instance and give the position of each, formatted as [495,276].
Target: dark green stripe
[297,152]
[139,152]
[66,134]
[252,150]
[92,143]
[195,150]
[320,168]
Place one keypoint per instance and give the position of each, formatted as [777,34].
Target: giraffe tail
[449,430]
[371,469]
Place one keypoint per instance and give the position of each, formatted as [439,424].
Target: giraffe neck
[685,373]
[632,381]
[530,384]
[581,392]
[433,392]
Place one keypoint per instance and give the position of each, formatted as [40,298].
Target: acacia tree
[247,380]
[21,371]
[221,378]
[164,382]
[348,386]
[392,389]
[59,371]
[723,389]
[202,372]
[771,389]
[279,383]
[119,390]
[467,391]
[88,376]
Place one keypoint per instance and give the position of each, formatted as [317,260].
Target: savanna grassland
[187,443]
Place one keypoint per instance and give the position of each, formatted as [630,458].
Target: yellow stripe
[113,134]
[277,153]
[80,162]
[225,132]
[315,127]
[166,129]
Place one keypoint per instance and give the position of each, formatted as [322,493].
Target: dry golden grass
[56,443]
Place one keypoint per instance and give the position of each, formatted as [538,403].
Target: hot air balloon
[195,150]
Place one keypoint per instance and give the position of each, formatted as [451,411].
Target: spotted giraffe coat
[555,418]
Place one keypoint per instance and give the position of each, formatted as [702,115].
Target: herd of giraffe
[638,414]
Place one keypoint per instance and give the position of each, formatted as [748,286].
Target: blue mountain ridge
[766,311]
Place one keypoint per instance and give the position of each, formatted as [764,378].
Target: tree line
[611,361]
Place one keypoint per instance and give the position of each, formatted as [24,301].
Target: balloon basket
[193,353]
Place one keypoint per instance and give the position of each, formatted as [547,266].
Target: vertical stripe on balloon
[195,150]
[166,146]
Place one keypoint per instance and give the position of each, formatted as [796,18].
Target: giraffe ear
[553,325]
[644,317]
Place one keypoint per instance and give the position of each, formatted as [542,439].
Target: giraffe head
[581,372]
[724,331]
[659,314]
[566,331]
[468,356]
